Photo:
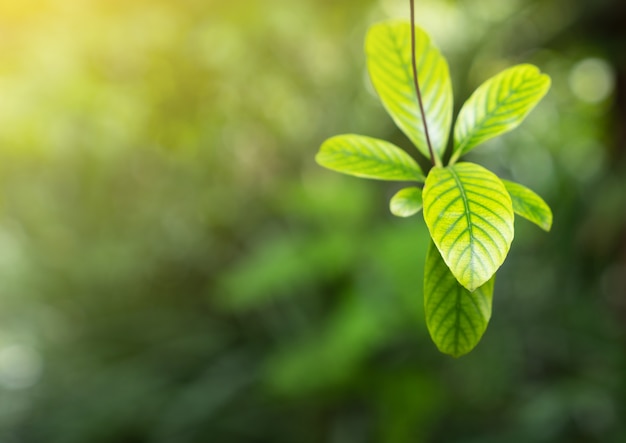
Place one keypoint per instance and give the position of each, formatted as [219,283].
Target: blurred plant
[469,211]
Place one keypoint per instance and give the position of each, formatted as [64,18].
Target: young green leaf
[388,48]
[369,158]
[406,202]
[470,217]
[456,318]
[529,205]
[498,105]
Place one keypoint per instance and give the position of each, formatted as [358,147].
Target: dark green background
[174,267]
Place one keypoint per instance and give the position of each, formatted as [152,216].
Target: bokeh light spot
[20,366]
[592,80]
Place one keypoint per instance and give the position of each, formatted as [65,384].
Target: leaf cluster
[469,210]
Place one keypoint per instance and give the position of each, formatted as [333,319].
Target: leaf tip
[547,224]
[457,351]
[321,155]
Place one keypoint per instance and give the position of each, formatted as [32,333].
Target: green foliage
[498,106]
[388,48]
[470,218]
[456,318]
[406,202]
[368,157]
[177,268]
[469,211]
[529,205]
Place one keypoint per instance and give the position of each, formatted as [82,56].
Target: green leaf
[456,318]
[470,217]
[406,202]
[369,158]
[529,205]
[498,106]
[388,48]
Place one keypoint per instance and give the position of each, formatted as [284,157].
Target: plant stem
[417,86]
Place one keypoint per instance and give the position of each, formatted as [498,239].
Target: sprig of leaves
[469,211]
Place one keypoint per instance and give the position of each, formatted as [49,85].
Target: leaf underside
[470,217]
[498,106]
[388,50]
[456,318]
[368,158]
[406,202]
[529,205]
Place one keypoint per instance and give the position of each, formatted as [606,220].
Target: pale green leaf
[456,318]
[529,205]
[470,217]
[498,106]
[369,158]
[406,202]
[388,48]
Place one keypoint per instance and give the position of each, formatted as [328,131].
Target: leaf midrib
[467,215]
[388,161]
[409,78]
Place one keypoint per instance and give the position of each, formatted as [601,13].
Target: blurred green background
[174,267]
